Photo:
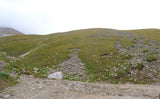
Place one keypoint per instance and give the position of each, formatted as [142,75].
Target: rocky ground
[144,56]
[73,66]
[37,88]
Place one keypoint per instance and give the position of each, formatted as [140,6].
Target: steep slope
[4,31]
[107,55]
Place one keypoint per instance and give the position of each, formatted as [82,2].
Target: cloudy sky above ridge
[50,16]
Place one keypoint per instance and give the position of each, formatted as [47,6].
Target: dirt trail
[38,88]
[25,54]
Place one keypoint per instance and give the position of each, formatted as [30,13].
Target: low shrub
[3,75]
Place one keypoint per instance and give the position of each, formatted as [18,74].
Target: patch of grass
[115,82]
[145,50]
[155,53]
[146,42]
[132,45]
[56,67]
[3,75]
[134,42]
[91,81]
[71,77]
[6,80]
[125,56]
[151,58]
[140,66]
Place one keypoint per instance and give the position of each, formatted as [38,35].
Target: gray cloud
[49,16]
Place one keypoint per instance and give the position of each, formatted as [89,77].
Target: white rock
[7,96]
[35,69]
[56,75]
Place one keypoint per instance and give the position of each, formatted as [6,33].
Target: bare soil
[38,88]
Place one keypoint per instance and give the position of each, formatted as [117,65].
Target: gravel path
[37,88]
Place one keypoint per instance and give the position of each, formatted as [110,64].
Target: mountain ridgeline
[4,31]
[92,55]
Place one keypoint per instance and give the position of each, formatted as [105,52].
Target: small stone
[35,69]
[56,75]
[7,96]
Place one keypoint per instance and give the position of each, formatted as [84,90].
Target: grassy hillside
[108,55]
[19,44]
[149,33]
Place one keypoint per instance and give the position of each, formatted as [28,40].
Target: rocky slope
[8,32]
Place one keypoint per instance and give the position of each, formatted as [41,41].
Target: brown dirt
[37,88]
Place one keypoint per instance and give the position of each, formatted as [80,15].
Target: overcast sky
[50,16]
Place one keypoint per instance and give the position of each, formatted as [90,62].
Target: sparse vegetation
[115,82]
[71,77]
[3,75]
[145,50]
[140,66]
[102,60]
[6,80]
[151,58]
[155,53]
[126,56]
